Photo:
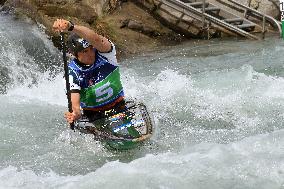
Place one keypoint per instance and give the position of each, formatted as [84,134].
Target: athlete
[94,76]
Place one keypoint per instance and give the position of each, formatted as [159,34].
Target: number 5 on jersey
[104,92]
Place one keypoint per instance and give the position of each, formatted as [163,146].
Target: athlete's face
[87,56]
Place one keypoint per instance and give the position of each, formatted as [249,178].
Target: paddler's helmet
[76,44]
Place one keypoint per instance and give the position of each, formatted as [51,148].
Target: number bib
[103,92]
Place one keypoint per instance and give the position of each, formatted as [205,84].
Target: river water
[217,107]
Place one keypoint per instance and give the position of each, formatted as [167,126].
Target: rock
[4,79]
[2,2]
[140,27]
[134,25]
[255,4]
[5,9]
[83,12]
[269,7]
[150,31]
[124,23]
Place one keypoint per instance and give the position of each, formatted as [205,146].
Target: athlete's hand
[61,25]
[70,117]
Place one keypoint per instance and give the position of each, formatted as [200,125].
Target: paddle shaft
[68,94]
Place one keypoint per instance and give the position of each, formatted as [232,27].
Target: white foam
[255,162]
[47,91]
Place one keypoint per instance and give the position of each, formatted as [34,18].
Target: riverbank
[130,27]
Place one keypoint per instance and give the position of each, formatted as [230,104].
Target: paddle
[68,94]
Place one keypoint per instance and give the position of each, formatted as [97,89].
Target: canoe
[121,130]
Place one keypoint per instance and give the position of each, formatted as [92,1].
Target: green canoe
[122,130]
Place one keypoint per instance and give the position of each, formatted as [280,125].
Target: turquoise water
[217,108]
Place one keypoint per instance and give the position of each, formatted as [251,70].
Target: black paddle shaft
[66,75]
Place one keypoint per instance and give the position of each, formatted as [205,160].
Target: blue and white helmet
[76,44]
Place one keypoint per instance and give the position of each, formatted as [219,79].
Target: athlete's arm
[101,43]
[76,114]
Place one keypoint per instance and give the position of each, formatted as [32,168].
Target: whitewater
[217,108]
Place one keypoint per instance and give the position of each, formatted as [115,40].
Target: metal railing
[202,16]
[259,15]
